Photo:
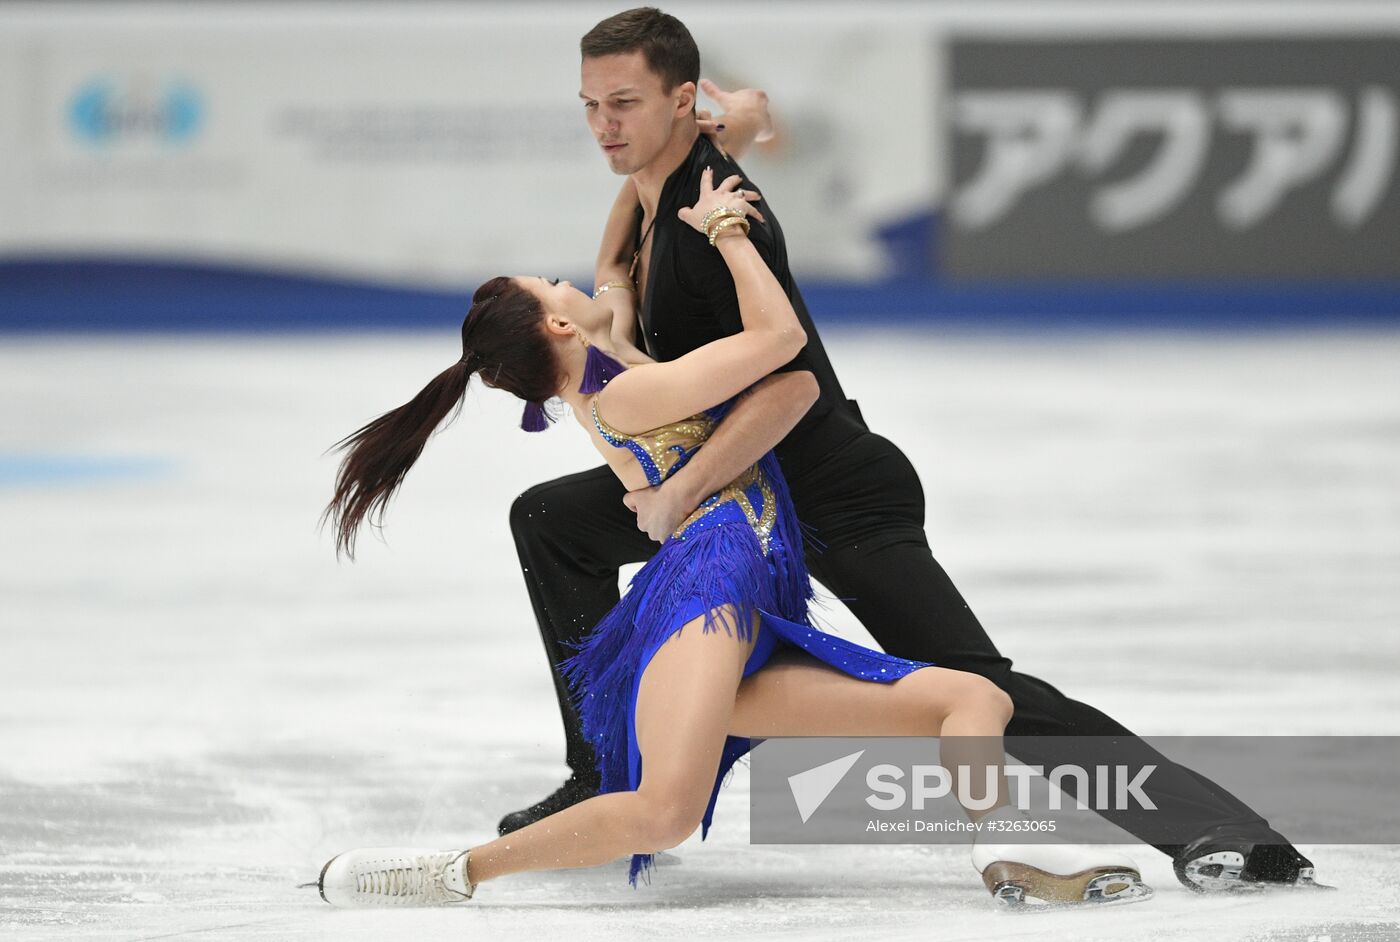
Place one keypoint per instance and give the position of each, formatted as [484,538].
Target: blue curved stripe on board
[115,294]
[18,469]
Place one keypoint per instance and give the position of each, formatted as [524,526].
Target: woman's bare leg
[684,711]
[797,695]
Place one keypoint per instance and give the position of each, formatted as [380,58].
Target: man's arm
[614,260]
[758,421]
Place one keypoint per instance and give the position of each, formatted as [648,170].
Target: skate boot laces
[422,880]
[396,877]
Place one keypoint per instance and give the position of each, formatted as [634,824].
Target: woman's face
[561,299]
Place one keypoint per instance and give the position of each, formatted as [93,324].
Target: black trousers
[866,504]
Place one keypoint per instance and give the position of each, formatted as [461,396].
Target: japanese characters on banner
[1175,158]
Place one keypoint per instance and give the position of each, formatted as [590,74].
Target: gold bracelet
[722,221]
[608,286]
[714,214]
[729,223]
[715,217]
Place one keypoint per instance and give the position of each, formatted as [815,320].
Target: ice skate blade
[1021,888]
[321,880]
[1222,872]
[1307,880]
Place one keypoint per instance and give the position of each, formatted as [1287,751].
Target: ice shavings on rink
[199,705]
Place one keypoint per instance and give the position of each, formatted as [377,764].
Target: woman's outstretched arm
[648,396]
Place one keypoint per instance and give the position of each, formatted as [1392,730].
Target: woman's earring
[598,369]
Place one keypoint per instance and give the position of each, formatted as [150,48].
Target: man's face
[629,112]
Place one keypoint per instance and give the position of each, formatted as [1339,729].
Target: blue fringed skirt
[742,549]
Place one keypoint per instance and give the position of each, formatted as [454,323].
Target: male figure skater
[856,489]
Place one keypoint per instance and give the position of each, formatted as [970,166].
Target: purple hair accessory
[598,369]
[535,418]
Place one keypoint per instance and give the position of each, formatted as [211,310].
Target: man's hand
[757,422]
[744,121]
[659,510]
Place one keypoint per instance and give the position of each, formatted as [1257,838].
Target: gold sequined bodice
[664,450]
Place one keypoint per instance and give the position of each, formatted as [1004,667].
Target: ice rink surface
[1198,533]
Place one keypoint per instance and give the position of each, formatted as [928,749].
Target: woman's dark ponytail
[381,453]
[503,339]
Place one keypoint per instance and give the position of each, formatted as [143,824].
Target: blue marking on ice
[22,469]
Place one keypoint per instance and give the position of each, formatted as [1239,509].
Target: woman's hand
[745,119]
[712,197]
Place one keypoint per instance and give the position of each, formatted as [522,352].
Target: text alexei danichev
[943,827]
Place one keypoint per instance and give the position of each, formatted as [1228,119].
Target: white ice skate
[1027,877]
[396,876]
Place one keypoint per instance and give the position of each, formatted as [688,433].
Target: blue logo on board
[108,111]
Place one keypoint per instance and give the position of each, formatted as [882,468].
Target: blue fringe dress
[741,547]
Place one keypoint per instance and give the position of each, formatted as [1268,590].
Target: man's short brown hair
[665,43]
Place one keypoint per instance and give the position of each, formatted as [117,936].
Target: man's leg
[572,535]
[866,505]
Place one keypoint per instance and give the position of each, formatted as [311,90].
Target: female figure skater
[712,643]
